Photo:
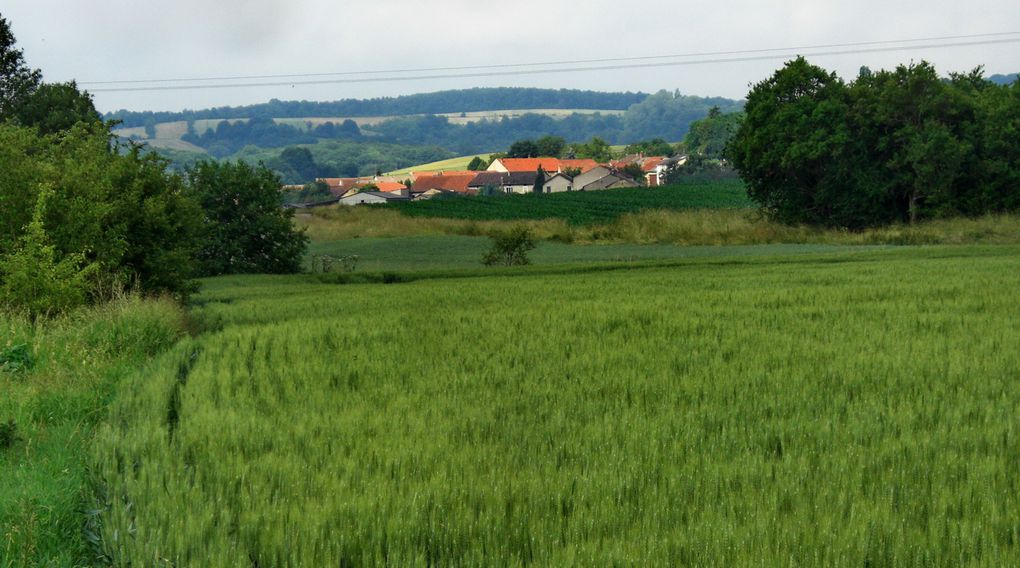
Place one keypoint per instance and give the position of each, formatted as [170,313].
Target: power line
[547,63]
[550,71]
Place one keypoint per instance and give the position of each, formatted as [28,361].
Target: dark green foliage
[523,149]
[346,159]
[581,207]
[653,147]
[17,80]
[469,100]
[55,107]
[313,192]
[477,164]
[539,181]
[709,136]
[550,146]
[8,434]
[668,115]
[16,358]
[229,137]
[119,213]
[893,146]
[596,149]
[245,228]
[510,248]
[697,169]
[35,280]
[634,172]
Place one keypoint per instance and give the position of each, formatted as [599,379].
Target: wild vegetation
[57,378]
[821,410]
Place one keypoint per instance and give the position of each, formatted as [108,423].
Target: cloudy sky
[124,40]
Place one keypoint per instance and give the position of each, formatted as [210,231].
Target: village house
[504,182]
[454,183]
[371,197]
[557,183]
[548,165]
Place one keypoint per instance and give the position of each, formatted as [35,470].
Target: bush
[510,248]
[32,277]
[16,358]
[246,228]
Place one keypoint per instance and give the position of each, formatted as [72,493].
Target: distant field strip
[582,207]
[839,410]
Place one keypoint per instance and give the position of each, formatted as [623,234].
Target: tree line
[662,115]
[83,215]
[458,100]
[888,147]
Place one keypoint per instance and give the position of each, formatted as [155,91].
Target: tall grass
[695,226]
[45,482]
[843,410]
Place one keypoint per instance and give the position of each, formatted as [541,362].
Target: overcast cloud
[142,39]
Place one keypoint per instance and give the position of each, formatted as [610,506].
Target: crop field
[439,252]
[851,409]
[458,163]
[582,207]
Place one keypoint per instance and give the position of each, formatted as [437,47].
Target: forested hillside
[462,100]
[663,115]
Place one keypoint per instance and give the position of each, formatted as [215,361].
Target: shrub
[16,358]
[510,248]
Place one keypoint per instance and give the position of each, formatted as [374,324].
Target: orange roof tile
[531,164]
[458,183]
[389,186]
[584,165]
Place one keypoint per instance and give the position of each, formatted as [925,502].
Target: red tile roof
[390,186]
[583,165]
[531,164]
[649,164]
[458,183]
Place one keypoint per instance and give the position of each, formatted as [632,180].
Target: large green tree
[246,229]
[54,107]
[17,80]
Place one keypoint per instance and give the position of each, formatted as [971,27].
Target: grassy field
[439,252]
[47,497]
[825,409]
[459,163]
[582,207]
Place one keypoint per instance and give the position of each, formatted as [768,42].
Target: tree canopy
[892,146]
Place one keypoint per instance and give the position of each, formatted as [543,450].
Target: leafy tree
[596,149]
[246,228]
[789,147]
[510,248]
[523,149]
[17,80]
[150,128]
[539,181]
[709,136]
[893,146]
[653,147]
[55,107]
[477,164]
[550,146]
[634,172]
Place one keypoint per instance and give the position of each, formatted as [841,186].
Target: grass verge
[54,401]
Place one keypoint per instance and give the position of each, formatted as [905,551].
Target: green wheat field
[838,408]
